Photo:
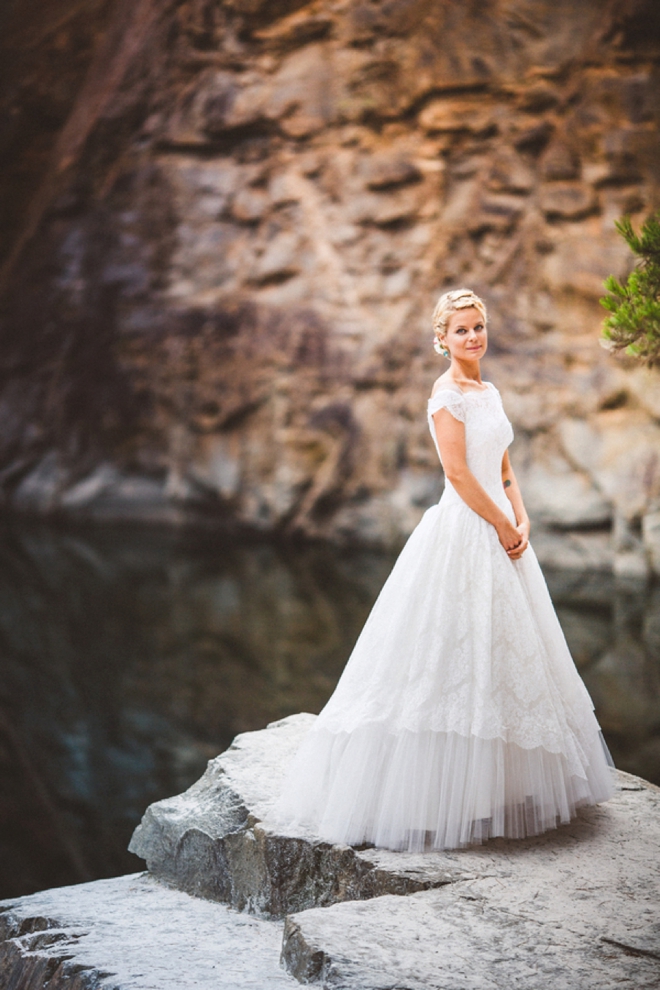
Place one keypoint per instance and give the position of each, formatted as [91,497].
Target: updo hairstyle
[448,303]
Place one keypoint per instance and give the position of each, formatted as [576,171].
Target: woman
[460,714]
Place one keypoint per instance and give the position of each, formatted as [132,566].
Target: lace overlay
[460,686]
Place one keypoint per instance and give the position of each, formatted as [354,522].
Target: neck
[462,370]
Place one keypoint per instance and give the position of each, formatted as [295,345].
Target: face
[466,338]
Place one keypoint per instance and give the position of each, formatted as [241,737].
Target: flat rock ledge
[135,933]
[575,908]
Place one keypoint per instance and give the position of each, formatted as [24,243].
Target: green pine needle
[633,323]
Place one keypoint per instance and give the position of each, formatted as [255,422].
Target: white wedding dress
[460,714]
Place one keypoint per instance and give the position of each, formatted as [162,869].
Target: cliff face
[228,224]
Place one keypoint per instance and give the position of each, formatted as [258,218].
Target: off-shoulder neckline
[459,391]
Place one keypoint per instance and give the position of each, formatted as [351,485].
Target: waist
[495,490]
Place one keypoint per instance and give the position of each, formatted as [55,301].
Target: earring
[445,352]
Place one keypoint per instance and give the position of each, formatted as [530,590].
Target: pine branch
[633,323]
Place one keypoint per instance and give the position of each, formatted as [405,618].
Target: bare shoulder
[439,382]
[442,382]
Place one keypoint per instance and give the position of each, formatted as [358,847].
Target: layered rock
[217,305]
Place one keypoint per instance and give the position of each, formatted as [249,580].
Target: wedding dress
[460,714]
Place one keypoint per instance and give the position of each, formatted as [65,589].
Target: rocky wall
[223,252]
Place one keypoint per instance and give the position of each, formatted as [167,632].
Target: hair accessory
[439,349]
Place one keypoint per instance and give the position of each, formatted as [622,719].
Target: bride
[460,714]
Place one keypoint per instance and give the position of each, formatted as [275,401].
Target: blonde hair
[451,302]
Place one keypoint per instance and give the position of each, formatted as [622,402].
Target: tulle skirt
[460,714]
[416,791]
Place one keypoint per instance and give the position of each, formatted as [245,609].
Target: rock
[556,495]
[533,138]
[587,636]
[509,173]
[225,103]
[573,551]
[538,97]
[624,682]
[371,208]
[131,933]
[281,259]
[495,213]
[554,929]
[249,205]
[567,200]
[218,466]
[623,463]
[627,148]
[576,263]
[651,537]
[560,161]
[242,210]
[383,173]
[448,115]
[631,565]
[215,840]
[647,390]
[264,11]
[41,488]
[85,492]
[296,30]
[566,892]
[303,95]
[576,905]
[104,495]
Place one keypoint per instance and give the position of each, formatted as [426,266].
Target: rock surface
[218,840]
[226,227]
[576,907]
[215,840]
[133,933]
[558,929]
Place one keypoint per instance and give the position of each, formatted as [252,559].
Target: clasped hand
[514,539]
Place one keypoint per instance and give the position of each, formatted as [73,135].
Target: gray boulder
[217,839]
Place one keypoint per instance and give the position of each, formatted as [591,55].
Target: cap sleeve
[446,398]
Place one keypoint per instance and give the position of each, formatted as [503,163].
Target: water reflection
[130,657]
[613,630]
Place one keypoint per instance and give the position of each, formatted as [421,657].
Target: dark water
[130,657]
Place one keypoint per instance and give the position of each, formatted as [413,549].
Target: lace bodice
[488,433]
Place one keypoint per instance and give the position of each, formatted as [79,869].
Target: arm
[514,495]
[450,434]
